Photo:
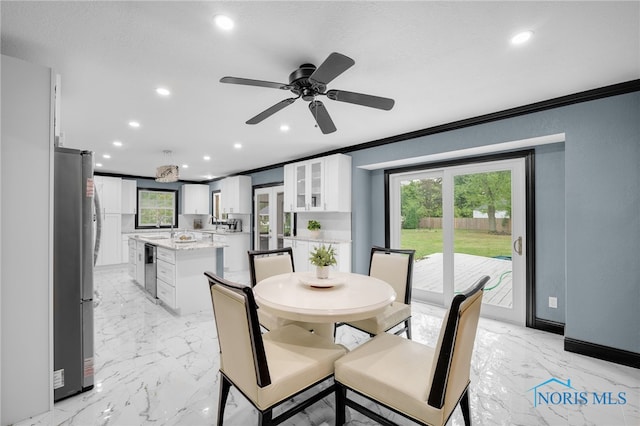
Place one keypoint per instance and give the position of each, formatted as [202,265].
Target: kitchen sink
[156,237]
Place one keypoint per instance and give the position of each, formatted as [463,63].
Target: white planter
[315,234]
[322,272]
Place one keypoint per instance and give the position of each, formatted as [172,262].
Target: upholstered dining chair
[394,266]
[267,263]
[421,383]
[268,368]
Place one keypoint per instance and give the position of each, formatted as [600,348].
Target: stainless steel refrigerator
[73,272]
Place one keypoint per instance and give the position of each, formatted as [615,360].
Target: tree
[485,192]
[420,198]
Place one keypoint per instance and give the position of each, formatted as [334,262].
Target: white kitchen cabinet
[236,195]
[132,258]
[128,196]
[309,179]
[166,277]
[289,184]
[124,254]
[195,199]
[302,250]
[140,263]
[110,192]
[300,253]
[180,280]
[235,254]
[321,184]
[110,252]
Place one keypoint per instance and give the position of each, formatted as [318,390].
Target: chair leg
[225,385]
[407,324]
[265,417]
[341,396]
[464,406]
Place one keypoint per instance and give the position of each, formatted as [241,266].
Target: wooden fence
[476,224]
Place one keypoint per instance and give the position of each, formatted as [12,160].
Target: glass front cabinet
[321,184]
[309,180]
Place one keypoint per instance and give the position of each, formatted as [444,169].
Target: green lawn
[480,243]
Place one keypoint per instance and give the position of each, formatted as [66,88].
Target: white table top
[353,297]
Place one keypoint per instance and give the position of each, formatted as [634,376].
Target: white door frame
[272,193]
[518,224]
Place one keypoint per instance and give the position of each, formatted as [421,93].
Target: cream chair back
[242,355]
[450,371]
[395,267]
[267,263]
[269,266]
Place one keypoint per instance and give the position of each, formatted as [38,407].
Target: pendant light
[168,173]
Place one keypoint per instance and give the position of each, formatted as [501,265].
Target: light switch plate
[553,302]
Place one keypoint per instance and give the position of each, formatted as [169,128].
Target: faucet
[173,234]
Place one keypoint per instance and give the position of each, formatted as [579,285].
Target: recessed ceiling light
[106,156]
[223,22]
[284,128]
[209,176]
[522,37]
[134,124]
[117,143]
[98,164]
[162,91]
[206,158]
[185,166]
[237,145]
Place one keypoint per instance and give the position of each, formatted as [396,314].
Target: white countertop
[219,232]
[319,240]
[170,244]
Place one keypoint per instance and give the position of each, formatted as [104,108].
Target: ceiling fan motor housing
[299,79]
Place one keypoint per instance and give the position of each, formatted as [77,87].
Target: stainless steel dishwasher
[150,283]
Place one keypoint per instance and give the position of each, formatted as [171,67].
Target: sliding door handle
[517,246]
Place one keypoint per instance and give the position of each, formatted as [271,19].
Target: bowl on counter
[185,237]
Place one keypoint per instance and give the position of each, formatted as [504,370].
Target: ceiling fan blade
[270,111]
[361,99]
[322,117]
[333,66]
[259,83]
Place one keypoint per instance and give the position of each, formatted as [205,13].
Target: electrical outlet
[553,302]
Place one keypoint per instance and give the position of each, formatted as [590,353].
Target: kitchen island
[180,266]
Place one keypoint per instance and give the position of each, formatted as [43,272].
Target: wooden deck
[428,275]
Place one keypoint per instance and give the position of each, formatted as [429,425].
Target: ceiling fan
[308,82]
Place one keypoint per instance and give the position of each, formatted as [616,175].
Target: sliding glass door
[464,222]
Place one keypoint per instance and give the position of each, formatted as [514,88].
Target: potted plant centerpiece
[323,257]
[314,228]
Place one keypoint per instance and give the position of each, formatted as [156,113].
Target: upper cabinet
[128,189]
[321,184]
[236,195]
[109,192]
[195,199]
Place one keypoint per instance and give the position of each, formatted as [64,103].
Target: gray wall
[602,204]
[587,207]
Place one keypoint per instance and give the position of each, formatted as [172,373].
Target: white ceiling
[440,61]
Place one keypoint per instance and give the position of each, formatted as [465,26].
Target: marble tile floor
[155,368]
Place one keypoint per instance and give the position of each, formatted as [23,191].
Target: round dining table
[300,296]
